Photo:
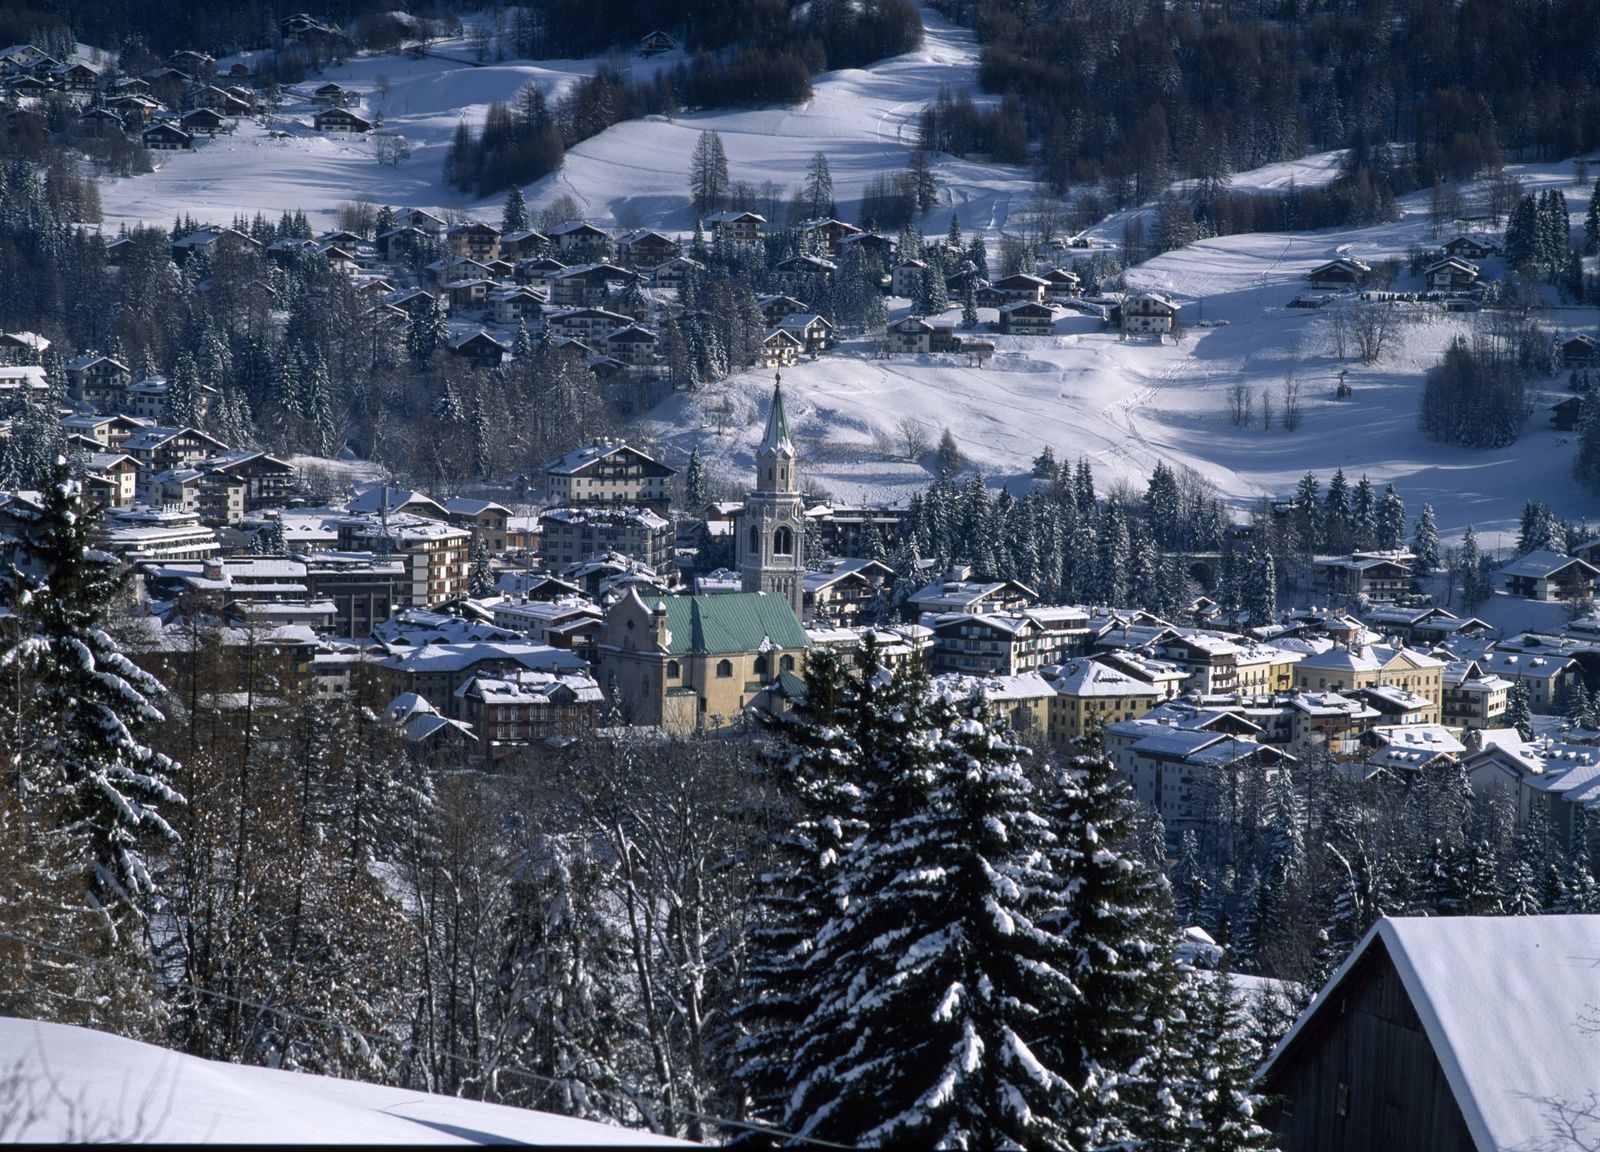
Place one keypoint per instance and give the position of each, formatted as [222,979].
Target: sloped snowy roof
[1543,564]
[1091,678]
[1502,1000]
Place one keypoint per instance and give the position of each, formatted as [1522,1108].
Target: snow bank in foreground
[73,1084]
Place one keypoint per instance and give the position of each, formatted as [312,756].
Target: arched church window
[783,542]
[755,540]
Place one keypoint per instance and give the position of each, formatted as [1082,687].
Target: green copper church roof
[729,623]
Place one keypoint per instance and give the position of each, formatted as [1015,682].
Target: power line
[375,1038]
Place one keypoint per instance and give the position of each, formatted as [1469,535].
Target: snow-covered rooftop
[1506,1005]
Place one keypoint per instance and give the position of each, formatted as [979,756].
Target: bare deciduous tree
[1291,403]
[1241,402]
[914,437]
[1339,331]
[1373,327]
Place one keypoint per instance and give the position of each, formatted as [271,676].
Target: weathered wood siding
[1362,1075]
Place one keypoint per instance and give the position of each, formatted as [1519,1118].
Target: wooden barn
[1447,1034]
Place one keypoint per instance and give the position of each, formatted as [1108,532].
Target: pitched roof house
[1445,1033]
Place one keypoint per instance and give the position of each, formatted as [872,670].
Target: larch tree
[708,174]
[818,187]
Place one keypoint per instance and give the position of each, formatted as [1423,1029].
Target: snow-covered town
[842,574]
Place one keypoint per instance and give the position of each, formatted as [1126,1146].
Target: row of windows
[724,668]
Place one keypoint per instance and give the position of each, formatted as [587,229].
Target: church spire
[776,437]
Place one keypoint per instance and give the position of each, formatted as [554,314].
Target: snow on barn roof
[1502,1002]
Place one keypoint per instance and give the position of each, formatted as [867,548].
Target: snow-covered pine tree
[1475,588]
[694,484]
[480,578]
[1307,514]
[1260,593]
[515,216]
[1391,517]
[1117,917]
[184,392]
[1364,514]
[1191,885]
[1586,461]
[1218,1099]
[959,970]
[1519,710]
[1161,505]
[1112,556]
[933,299]
[865,763]
[1425,543]
[90,703]
[978,254]
[1336,530]
[559,993]
[426,332]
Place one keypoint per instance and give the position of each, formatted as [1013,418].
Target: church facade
[692,663]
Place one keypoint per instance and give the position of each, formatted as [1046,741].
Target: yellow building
[1370,666]
[1090,695]
[689,663]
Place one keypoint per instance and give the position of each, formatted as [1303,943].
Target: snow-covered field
[1083,392]
[60,1084]
[1124,405]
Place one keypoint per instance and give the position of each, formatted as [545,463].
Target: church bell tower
[771,541]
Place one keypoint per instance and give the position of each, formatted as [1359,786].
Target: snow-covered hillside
[61,1084]
[1126,404]
[1082,391]
[634,173]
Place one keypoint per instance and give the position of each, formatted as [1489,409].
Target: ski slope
[1125,405]
[60,1084]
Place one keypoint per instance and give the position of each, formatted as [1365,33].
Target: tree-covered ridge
[1125,98]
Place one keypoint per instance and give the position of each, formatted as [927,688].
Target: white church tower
[771,542]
